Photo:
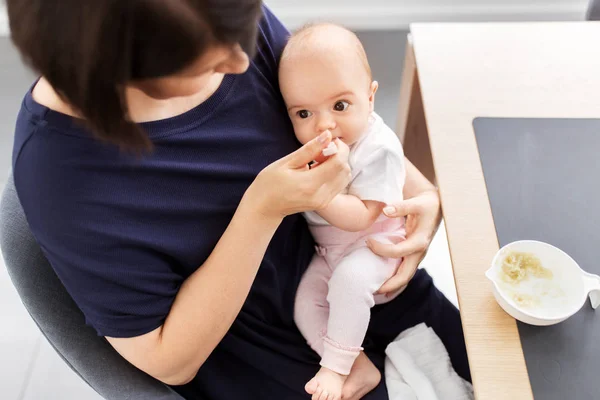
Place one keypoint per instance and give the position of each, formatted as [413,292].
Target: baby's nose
[326,123]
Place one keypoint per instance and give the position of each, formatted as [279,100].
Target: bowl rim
[521,310]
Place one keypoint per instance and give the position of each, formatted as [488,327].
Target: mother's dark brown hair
[88,49]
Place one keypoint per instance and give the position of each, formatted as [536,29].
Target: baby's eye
[304,114]
[341,105]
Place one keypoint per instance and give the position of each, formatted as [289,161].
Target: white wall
[397,14]
[3,20]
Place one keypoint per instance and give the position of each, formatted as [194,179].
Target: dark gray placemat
[543,181]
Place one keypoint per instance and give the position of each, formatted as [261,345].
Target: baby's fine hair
[301,40]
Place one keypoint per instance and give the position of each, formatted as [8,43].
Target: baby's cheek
[362,121]
[302,134]
[357,124]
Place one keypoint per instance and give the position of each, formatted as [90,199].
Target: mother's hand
[289,185]
[423,215]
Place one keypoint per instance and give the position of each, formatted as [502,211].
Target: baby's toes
[318,393]
[311,386]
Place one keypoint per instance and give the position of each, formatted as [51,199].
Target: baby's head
[326,82]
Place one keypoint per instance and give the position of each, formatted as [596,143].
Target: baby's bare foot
[326,385]
[363,378]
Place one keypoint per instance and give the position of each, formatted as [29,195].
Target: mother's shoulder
[43,93]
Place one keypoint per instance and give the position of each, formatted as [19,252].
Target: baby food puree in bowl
[540,284]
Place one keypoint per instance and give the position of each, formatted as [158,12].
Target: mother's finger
[404,208]
[340,147]
[406,271]
[412,244]
[307,153]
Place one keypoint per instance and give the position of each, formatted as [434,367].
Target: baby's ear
[372,91]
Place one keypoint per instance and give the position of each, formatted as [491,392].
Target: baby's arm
[349,213]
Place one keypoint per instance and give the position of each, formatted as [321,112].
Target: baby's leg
[351,287]
[311,314]
[311,308]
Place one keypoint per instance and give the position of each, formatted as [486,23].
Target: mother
[159,173]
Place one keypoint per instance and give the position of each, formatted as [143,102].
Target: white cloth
[377,164]
[417,367]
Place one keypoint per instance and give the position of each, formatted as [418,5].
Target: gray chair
[60,320]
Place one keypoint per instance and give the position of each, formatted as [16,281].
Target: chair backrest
[59,318]
[593,12]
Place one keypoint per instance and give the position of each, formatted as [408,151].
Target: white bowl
[575,284]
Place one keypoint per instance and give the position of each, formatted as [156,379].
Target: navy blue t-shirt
[123,233]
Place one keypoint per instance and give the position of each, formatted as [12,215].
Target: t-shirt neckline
[193,117]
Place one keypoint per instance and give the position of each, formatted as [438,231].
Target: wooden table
[454,73]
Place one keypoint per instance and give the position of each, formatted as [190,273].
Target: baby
[326,82]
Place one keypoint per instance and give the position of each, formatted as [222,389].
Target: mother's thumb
[402,209]
[310,151]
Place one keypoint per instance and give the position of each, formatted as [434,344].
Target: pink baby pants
[335,295]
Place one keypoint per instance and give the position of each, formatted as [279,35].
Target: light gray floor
[29,367]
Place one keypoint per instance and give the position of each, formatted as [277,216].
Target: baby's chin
[346,141]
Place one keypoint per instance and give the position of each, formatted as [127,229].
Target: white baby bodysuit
[377,164]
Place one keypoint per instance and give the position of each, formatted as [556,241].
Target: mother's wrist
[256,210]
